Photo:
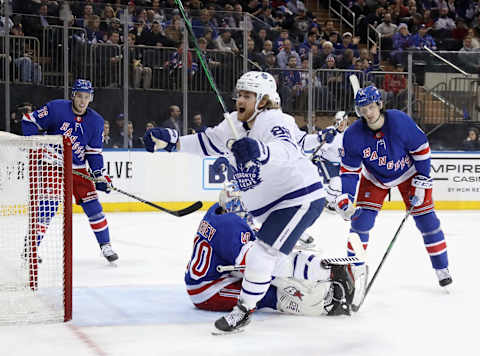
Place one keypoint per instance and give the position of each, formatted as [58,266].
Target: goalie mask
[229,200]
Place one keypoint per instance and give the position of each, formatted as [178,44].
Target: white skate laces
[234,321]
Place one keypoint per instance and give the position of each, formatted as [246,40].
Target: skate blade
[446,290]
[217,332]
[112,264]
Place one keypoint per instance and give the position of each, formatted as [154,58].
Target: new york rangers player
[302,283]
[387,149]
[84,127]
[280,186]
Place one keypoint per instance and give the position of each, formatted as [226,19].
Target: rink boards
[174,180]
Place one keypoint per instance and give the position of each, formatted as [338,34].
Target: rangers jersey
[386,157]
[285,179]
[222,239]
[85,132]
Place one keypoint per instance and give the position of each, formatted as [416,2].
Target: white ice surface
[141,308]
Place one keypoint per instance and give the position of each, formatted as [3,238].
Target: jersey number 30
[200,263]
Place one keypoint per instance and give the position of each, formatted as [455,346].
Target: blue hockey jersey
[85,132]
[222,239]
[386,157]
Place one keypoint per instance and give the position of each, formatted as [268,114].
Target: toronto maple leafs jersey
[331,151]
[221,240]
[285,178]
[85,132]
[386,157]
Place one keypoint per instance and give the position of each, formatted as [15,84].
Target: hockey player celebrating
[279,185]
[84,127]
[388,150]
[302,283]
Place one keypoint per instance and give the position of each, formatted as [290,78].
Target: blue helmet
[367,96]
[82,85]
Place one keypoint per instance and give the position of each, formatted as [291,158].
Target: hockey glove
[247,149]
[327,135]
[345,208]
[160,138]
[418,188]
[102,181]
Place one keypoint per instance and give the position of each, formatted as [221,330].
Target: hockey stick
[326,263]
[207,71]
[182,212]
[387,252]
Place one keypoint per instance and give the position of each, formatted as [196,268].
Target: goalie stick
[326,262]
[182,212]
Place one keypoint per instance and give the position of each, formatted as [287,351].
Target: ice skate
[234,322]
[444,277]
[108,253]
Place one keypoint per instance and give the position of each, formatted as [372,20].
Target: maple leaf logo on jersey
[294,292]
[247,176]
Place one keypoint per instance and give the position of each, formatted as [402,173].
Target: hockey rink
[140,306]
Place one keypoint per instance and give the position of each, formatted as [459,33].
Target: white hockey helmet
[260,83]
[276,100]
[229,199]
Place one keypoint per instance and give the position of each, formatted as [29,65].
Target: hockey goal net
[35,229]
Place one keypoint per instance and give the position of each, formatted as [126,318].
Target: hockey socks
[46,211]
[433,238]
[258,274]
[98,221]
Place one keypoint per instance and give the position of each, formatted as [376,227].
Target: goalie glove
[160,138]
[102,181]
[420,184]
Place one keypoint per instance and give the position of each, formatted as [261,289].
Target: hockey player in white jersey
[328,158]
[280,186]
[303,283]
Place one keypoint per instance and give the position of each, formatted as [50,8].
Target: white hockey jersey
[286,178]
[331,151]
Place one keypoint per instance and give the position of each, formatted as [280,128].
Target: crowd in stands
[281,36]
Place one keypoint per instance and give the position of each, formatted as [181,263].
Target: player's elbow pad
[29,128]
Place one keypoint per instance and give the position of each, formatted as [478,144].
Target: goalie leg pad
[302,266]
[433,238]
[301,297]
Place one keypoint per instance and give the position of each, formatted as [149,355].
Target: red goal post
[35,229]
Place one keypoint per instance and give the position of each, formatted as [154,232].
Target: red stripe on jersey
[346,170]
[100,224]
[437,248]
[201,289]
[422,152]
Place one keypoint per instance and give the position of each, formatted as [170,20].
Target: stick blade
[188,210]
